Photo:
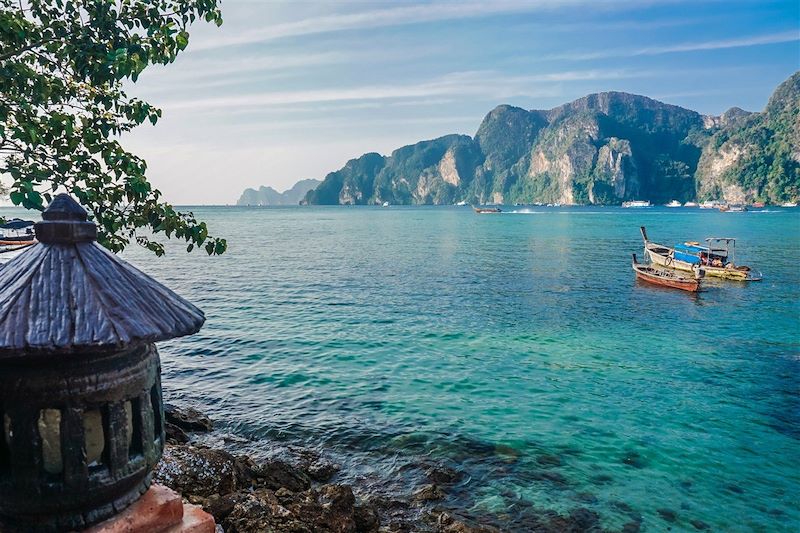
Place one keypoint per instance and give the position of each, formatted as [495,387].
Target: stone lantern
[81,416]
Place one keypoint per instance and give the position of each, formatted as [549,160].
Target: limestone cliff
[600,149]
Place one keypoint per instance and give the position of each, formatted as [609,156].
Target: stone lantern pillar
[81,416]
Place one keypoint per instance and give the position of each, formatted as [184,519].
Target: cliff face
[601,149]
[269,196]
[756,156]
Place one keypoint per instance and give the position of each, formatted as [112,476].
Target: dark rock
[447,523]
[221,506]
[428,493]
[549,460]
[699,524]
[187,418]
[197,471]
[322,470]
[442,474]
[736,489]
[634,526]
[507,453]
[634,459]
[366,518]
[602,479]
[175,435]
[552,477]
[667,514]
[276,474]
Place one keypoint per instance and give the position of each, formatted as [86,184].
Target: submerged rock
[187,418]
[428,493]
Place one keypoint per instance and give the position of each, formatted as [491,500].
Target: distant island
[600,149]
[268,196]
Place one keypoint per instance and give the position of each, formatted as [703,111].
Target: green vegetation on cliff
[757,156]
[601,149]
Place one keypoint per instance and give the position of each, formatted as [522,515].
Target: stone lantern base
[159,510]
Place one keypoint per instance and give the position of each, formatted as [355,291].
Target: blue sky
[291,90]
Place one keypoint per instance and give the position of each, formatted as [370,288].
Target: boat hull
[658,257]
[664,278]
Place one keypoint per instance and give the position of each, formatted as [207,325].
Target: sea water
[516,347]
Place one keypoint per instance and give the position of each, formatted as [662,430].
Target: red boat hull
[684,285]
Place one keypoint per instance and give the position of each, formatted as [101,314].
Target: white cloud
[757,40]
[488,84]
[407,14]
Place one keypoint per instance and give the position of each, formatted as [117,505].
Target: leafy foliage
[62,109]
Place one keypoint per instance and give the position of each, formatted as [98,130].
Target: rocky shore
[301,494]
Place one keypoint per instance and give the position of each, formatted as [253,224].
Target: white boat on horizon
[673,203]
[789,204]
[462,203]
[710,204]
[385,204]
[691,204]
[637,203]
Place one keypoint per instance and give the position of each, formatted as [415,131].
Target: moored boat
[758,205]
[789,204]
[487,210]
[716,259]
[636,203]
[666,278]
[17,232]
[737,208]
[691,204]
[673,203]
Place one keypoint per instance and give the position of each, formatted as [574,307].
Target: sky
[284,91]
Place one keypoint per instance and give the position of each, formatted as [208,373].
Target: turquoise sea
[516,347]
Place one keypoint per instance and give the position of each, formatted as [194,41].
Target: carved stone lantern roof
[67,294]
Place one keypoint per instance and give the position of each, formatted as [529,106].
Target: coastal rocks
[329,509]
[195,471]
[246,496]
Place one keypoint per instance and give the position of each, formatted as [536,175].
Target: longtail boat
[16,233]
[716,259]
[666,278]
[487,210]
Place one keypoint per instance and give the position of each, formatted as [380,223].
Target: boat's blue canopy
[16,223]
[690,248]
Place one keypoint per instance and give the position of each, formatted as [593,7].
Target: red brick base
[159,510]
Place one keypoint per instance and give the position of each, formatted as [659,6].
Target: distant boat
[673,203]
[724,207]
[709,205]
[637,203]
[385,204]
[716,259]
[737,208]
[789,204]
[666,278]
[487,210]
[691,204]
[17,232]
[462,203]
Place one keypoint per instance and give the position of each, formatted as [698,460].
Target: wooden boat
[758,205]
[17,232]
[716,259]
[666,278]
[487,210]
